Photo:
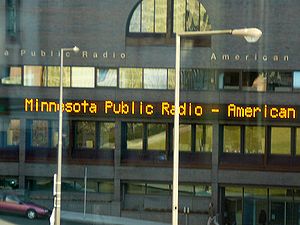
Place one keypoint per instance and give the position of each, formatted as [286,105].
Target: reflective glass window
[53,76]
[135,136]
[83,77]
[281,140]
[39,133]
[158,189]
[232,139]
[254,140]
[11,75]
[202,190]
[155,78]
[13,132]
[186,189]
[107,77]
[34,76]
[297,141]
[156,136]
[135,188]
[106,186]
[296,80]
[229,80]
[204,138]
[131,78]
[233,205]
[107,135]
[185,137]
[279,81]
[85,134]
[197,79]
[254,81]
[171,78]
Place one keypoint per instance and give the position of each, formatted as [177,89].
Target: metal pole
[59,151]
[176,135]
[85,186]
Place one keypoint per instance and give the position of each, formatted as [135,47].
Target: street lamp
[251,35]
[57,202]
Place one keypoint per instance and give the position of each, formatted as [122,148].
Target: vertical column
[116,204]
[215,167]
[22,152]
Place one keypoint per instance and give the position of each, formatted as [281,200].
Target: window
[158,189]
[107,77]
[185,137]
[156,136]
[254,140]
[229,80]
[281,140]
[296,80]
[34,76]
[155,78]
[83,77]
[232,139]
[44,134]
[204,138]
[13,133]
[53,76]
[12,18]
[297,141]
[135,136]
[161,19]
[11,75]
[150,16]
[131,78]
[254,81]
[85,134]
[197,79]
[171,78]
[107,135]
[279,81]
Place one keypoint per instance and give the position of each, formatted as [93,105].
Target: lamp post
[251,35]
[57,202]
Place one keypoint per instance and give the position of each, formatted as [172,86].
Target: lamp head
[250,34]
[75,49]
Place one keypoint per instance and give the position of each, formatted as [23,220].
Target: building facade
[239,124]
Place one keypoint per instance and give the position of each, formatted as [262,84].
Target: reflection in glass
[229,80]
[186,189]
[13,133]
[135,188]
[106,187]
[148,16]
[255,203]
[107,135]
[279,81]
[83,77]
[155,78]
[232,139]
[254,81]
[254,140]
[39,133]
[131,77]
[185,137]
[135,22]
[158,189]
[297,141]
[281,140]
[107,77]
[204,138]
[160,16]
[34,76]
[233,205]
[296,79]
[202,190]
[156,136]
[197,79]
[11,75]
[135,136]
[85,134]
[171,78]
[53,76]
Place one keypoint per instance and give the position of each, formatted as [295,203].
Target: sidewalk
[99,219]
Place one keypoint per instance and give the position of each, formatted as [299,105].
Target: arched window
[159,20]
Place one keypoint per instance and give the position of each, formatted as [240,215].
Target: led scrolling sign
[165,109]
